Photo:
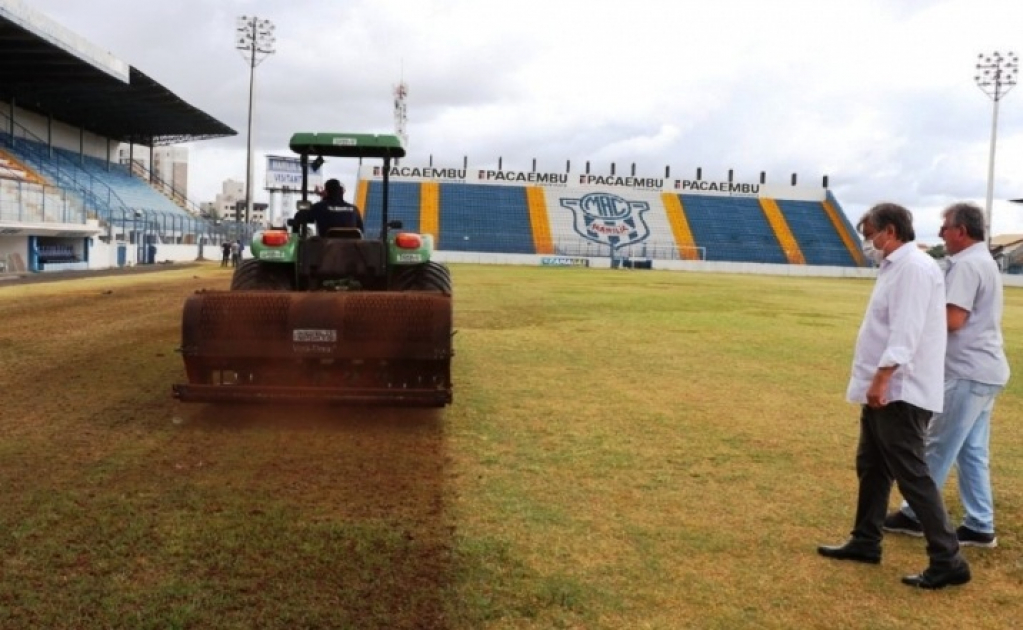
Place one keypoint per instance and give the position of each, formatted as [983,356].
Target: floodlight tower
[996,75]
[254,38]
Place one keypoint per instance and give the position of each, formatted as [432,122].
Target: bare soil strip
[212,516]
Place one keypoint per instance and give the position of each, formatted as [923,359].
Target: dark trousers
[892,449]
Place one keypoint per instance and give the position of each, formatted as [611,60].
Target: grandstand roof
[1005,240]
[39,72]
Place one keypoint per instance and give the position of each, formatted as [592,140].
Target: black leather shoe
[852,550]
[935,579]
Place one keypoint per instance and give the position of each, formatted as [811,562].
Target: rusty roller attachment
[359,348]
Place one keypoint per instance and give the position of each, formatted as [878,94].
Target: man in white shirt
[976,370]
[897,378]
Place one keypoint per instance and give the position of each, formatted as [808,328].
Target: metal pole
[990,177]
[248,148]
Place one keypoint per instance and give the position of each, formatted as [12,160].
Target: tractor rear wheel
[254,275]
[430,276]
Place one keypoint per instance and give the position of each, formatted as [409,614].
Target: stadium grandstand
[66,202]
[627,221]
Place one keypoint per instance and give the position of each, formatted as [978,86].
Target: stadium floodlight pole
[255,40]
[996,75]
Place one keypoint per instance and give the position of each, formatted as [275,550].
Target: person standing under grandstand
[225,247]
[897,379]
[976,371]
[236,253]
[330,212]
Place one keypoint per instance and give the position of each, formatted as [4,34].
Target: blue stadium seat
[472,217]
[402,204]
[732,229]
[817,238]
[483,218]
[57,254]
[107,186]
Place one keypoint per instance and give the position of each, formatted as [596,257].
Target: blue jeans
[961,435]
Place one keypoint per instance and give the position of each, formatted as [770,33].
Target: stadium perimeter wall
[106,257]
[763,269]
[760,269]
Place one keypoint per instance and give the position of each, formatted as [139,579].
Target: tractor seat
[344,233]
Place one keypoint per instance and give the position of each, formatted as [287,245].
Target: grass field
[627,449]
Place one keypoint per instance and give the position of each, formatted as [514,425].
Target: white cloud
[878,95]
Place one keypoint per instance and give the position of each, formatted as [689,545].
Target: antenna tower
[400,112]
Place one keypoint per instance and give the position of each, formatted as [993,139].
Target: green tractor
[334,317]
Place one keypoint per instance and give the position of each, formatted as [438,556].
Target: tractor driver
[330,212]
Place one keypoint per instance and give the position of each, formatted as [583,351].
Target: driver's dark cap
[333,186]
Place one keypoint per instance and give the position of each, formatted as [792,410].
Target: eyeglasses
[945,228]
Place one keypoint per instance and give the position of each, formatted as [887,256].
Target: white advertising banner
[285,173]
[676,185]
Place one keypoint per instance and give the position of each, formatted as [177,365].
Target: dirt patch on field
[207,516]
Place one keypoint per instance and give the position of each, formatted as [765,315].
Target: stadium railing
[24,202]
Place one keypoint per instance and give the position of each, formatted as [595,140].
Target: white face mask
[873,254]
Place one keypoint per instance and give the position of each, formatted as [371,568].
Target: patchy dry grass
[626,450]
[666,450]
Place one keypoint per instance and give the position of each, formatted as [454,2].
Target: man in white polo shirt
[976,371]
[897,381]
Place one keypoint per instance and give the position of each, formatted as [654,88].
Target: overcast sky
[877,94]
